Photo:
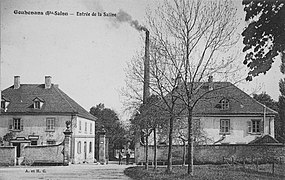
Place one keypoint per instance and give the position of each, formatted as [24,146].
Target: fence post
[233,161]
[257,165]
[273,168]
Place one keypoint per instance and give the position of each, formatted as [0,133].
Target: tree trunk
[169,158]
[155,148]
[184,154]
[190,144]
[146,151]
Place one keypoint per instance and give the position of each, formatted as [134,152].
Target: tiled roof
[240,103]
[55,101]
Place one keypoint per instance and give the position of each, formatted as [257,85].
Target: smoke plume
[122,16]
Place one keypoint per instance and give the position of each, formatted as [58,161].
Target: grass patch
[205,172]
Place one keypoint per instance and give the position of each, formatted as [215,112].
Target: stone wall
[218,153]
[7,156]
[44,154]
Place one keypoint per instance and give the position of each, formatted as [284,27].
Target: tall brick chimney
[47,82]
[146,68]
[16,82]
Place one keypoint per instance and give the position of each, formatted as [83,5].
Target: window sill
[255,133]
[50,130]
[15,130]
[224,133]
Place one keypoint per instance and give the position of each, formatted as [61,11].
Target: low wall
[217,153]
[44,154]
[7,156]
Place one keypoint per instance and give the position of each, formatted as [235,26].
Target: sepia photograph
[142,89]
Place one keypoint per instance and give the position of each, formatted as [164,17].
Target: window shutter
[56,122]
[249,127]
[261,126]
[21,125]
[46,123]
[10,124]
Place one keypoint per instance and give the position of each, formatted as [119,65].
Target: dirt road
[81,171]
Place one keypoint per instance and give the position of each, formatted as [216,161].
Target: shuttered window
[255,126]
[15,124]
[225,126]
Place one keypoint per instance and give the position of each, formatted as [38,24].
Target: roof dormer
[4,103]
[224,104]
[38,103]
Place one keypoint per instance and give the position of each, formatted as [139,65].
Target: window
[90,128]
[224,103]
[4,103]
[225,126]
[50,124]
[79,147]
[254,126]
[79,125]
[85,127]
[16,124]
[90,147]
[37,105]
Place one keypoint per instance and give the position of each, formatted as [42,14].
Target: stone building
[37,115]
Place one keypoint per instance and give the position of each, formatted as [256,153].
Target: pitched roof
[55,101]
[240,103]
[265,139]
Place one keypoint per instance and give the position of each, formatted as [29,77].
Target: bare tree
[191,40]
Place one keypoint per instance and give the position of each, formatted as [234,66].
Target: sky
[85,55]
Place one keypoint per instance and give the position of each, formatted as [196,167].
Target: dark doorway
[85,150]
[18,148]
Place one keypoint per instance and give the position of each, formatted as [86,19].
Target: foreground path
[81,171]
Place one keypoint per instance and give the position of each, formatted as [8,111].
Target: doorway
[18,149]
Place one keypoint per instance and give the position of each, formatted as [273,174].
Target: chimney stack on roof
[16,82]
[47,82]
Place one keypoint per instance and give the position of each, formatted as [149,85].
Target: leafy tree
[147,119]
[7,137]
[265,99]
[116,133]
[264,37]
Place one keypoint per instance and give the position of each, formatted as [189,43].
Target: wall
[238,129]
[83,153]
[7,156]
[36,125]
[216,153]
[47,153]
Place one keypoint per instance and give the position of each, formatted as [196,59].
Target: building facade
[36,114]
